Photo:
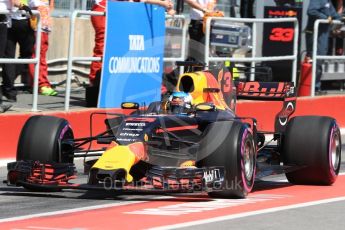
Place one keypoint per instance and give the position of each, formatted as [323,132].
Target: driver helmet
[180,103]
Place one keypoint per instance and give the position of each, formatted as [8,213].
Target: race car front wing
[36,175]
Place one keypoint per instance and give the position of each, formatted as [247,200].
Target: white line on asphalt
[69,211]
[49,228]
[285,180]
[3,162]
[88,208]
[246,214]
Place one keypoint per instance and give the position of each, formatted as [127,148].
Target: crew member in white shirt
[196,35]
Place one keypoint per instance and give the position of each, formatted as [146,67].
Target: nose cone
[121,157]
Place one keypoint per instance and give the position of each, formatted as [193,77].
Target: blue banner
[133,54]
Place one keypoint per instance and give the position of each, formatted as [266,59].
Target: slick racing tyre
[230,144]
[41,140]
[314,144]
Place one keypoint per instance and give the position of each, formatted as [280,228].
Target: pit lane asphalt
[16,201]
[317,217]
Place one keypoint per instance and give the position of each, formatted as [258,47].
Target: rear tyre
[314,143]
[41,140]
[230,144]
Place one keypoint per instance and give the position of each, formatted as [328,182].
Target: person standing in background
[198,8]
[319,9]
[4,23]
[98,23]
[21,33]
[339,6]
[337,33]
[196,35]
[44,7]
[246,9]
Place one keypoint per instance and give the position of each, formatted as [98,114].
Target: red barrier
[264,112]
[11,125]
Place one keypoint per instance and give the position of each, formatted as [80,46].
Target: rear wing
[265,91]
[271,91]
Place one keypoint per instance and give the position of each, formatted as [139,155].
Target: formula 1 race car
[192,142]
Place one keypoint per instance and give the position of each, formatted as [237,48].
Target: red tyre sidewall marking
[244,180]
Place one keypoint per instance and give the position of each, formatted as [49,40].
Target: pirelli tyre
[230,144]
[41,140]
[312,143]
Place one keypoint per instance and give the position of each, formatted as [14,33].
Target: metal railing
[179,23]
[316,57]
[71,5]
[183,38]
[183,41]
[254,59]
[35,60]
[70,57]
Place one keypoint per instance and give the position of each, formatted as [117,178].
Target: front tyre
[43,139]
[312,143]
[230,144]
